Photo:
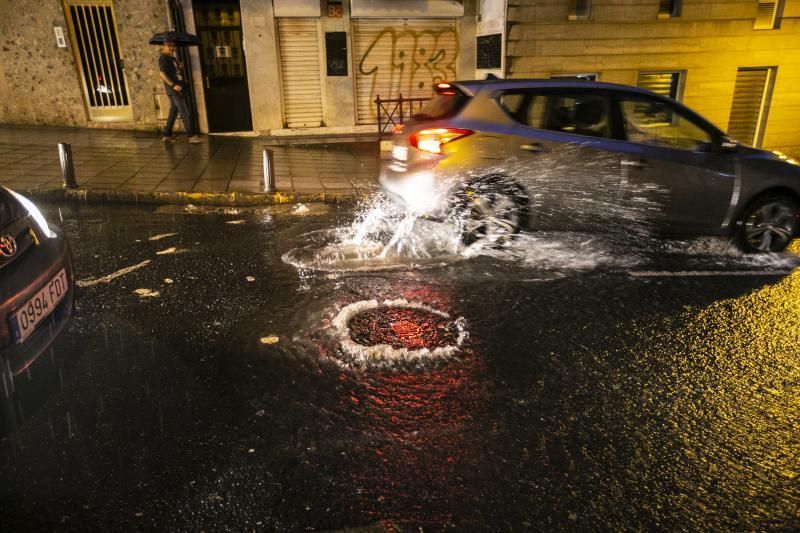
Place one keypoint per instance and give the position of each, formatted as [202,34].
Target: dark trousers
[177,105]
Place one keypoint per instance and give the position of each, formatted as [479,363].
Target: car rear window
[442,106]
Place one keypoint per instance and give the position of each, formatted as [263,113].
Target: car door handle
[533,147]
[640,164]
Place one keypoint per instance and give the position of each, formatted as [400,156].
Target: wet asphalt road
[655,390]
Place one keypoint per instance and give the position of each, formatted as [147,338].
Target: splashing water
[381,237]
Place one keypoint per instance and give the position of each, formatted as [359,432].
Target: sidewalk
[127,164]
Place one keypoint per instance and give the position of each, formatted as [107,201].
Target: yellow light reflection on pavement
[731,434]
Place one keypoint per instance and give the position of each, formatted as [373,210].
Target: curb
[233,199]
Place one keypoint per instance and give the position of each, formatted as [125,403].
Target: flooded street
[325,367]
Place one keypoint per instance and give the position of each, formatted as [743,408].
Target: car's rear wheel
[768,224]
[491,210]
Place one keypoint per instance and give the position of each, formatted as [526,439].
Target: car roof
[474,86]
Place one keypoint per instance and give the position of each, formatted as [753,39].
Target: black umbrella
[178,37]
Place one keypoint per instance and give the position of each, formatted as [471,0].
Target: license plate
[27,317]
[400,153]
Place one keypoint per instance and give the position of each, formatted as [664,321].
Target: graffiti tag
[417,60]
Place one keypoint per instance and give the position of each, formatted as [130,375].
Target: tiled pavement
[137,161]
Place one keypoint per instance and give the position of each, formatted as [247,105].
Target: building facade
[273,65]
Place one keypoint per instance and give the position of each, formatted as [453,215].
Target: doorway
[219,26]
[93,31]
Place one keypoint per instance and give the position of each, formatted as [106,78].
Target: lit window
[664,83]
[669,9]
[768,15]
[580,9]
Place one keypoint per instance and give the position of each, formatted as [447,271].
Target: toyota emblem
[8,246]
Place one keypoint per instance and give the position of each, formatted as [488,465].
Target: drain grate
[402,327]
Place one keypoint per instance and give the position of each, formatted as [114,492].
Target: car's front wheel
[768,224]
[491,210]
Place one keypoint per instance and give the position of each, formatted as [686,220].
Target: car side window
[581,114]
[657,123]
[525,107]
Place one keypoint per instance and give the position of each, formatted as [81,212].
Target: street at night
[260,369]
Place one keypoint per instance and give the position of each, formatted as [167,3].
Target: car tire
[492,209]
[768,224]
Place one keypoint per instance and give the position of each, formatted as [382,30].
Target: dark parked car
[504,155]
[36,282]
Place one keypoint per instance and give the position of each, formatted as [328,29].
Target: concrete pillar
[263,73]
[339,91]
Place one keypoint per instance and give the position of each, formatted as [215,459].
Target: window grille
[750,105]
[663,83]
[767,15]
[93,31]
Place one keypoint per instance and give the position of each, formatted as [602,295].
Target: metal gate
[750,104]
[405,58]
[300,72]
[93,32]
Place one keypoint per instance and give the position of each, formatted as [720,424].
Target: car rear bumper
[19,282]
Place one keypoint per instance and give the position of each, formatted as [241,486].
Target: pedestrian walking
[171,72]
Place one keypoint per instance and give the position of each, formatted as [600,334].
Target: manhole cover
[403,327]
[378,334]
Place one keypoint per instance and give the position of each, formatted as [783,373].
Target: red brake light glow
[432,140]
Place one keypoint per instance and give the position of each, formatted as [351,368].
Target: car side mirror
[728,145]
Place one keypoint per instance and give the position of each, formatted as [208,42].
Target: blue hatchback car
[505,155]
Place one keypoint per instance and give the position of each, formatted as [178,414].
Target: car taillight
[433,140]
[446,89]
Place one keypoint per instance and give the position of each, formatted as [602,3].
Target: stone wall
[709,41]
[137,21]
[39,82]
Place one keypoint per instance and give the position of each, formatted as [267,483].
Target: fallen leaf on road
[300,209]
[147,293]
[106,279]
[250,278]
[168,281]
[161,236]
[237,221]
[171,250]
[270,339]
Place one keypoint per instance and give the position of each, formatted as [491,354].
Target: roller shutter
[405,58]
[748,102]
[300,72]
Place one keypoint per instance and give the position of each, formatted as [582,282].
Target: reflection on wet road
[603,384]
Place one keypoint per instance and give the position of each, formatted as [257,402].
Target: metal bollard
[67,168]
[269,171]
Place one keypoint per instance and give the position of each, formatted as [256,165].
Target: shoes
[194,139]
[170,139]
